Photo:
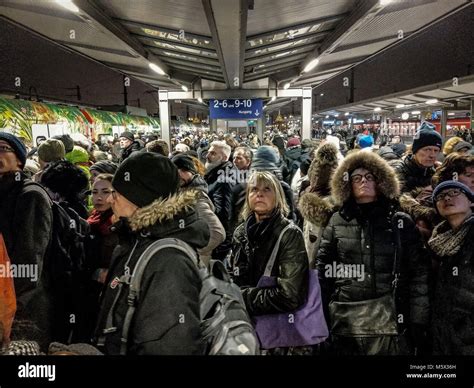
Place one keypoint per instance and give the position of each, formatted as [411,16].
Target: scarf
[446,241]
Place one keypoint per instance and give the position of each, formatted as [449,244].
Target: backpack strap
[398,250]
[137,275]
[271,261]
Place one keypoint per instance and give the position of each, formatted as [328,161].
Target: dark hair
[453,164]
[159,147]
[247,151]
[66,179]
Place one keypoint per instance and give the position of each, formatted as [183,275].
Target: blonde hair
[450,144]
[265,178]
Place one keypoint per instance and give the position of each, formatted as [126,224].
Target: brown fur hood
[410,205]
[387,181]
[316,209]
[163,210]
[322,168]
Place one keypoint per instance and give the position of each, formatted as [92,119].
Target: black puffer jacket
[220,183]
[252,246]
[364,235]
[166,320]
[453,302]
[412,175]
[126,152]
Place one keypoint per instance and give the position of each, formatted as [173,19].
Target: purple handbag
[305,326]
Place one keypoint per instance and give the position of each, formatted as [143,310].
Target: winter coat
[412,175]
[453,302]
[205,211]
[252,246]
[166,319]
[315,204]
[364,235]
[126,152]
[220,193]
[26,224]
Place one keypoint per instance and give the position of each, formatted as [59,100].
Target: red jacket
[7,294]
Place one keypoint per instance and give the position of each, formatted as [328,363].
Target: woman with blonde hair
[266,226]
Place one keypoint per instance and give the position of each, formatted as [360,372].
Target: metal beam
[227,20]
[288,58]
[146,38]
[195,64]
[269,69]
[199,57]
[100,16]
[296,41]
[197,70]
[305,47]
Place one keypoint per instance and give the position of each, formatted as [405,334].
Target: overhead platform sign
[249,109]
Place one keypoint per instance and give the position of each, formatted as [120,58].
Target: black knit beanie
[184,162]
[146,176]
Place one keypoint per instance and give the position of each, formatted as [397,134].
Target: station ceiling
[229,44]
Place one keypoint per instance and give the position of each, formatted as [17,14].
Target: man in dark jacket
[166,319]
[128,145]
[220,180]
[26,224]
[417,168]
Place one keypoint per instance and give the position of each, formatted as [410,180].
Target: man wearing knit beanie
[25,223]
[146,199]
[417,168]
[128,145]
[12,153]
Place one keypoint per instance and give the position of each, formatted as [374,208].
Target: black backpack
[63,268]
[225,324]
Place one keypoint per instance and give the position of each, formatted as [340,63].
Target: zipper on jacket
[372,258]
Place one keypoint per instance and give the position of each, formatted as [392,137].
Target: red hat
[293,142]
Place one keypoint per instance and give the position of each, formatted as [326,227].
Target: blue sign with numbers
[250,109]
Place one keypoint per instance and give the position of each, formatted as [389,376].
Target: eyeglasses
[6,149]
[448,193]
[357,178]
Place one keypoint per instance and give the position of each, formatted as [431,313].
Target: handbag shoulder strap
[271,261]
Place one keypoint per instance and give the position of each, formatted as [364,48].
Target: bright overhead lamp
[184,87]
[336,115]
[415,112]
[287,85]
[68,4]
[432,101]
[451,114]
[385,2]
[378,109]
[199,99]
[400,106]
[327,116]
[156,68]
[346,114]
[311,65]
[273,98]
[322,94]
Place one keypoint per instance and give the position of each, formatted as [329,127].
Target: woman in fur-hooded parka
[363,234]
[315,204]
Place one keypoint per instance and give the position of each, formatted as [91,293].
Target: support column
[260,126]
[306,112]
[444,122]
[164,117]
[213,125]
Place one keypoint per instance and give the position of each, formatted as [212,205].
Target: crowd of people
[388,227]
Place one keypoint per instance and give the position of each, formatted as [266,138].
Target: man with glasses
[452,244]
[26,223]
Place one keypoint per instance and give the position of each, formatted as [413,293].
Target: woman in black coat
[356,259]
[265,213]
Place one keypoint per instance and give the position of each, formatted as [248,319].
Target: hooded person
[49,151]
[315,204]
[452,246]
[80,158]
[167,318]
[356,257]
[191,180]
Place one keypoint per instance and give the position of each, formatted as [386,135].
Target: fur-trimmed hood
[387,181]
[322,167]
[163,210]
[316,209]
